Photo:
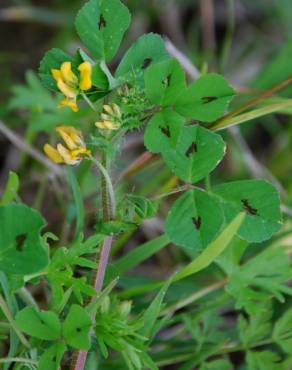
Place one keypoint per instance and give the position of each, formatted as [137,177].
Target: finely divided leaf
[282,333]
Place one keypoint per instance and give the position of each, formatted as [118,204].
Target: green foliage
[196,153]
[51,358]
[282,333]
[148,49]
[52,60]
[216,294]
[101,25]
[11,189]
[39,324]
[22,250]
[76,328]
[205,99]
[264,275]
[259,199]
[164,82]
[194,220]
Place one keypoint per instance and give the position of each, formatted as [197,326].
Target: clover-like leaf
[163,130]
[196,153]
[39,324]
[194,219]
[101,26]
[259,199]
[51,358]
[164,82]
[76,328]
[205,99]
[147,50]
[22,250]
[52,60]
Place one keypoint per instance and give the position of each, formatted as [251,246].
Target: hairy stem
[109,210]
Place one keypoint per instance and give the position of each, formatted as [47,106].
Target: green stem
[10,319]
[92,106]
[17,359]
[256,113]
[110,188]
[221,123]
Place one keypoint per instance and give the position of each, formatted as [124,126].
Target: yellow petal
[85,76]
[83,152]
[108,109]
[106,125]
[67,75]
[68,91]
[117,110]
[66,155]
[71,103]
[72,137]
[56,74]
[53,154]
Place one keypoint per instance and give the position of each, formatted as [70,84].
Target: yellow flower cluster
[74,151]
[110,118]
[69,84]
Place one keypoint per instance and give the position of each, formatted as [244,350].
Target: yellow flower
[74,151]
[111,119]
[69,84]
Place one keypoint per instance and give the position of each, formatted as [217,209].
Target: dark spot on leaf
[167,80]
[197,222]
[208,99]
[54,358]
[78,330]
[192,149]
[102,22]
[248,208]
[165,131]
[20,239]
[194,122]
[146,63]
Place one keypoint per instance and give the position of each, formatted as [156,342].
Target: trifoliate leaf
[196,153]
[101,26]
[261,203]
[205,99]
[164,82]
[194,220]
[162,131]
[52,60]
[22,250]
[147,50]
[76,328]
[39,324]
[52,357]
